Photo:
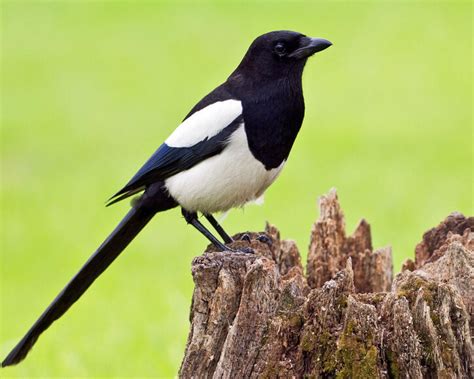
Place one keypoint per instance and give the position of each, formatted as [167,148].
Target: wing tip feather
[122,195]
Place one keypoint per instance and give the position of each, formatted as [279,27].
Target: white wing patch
[205,123]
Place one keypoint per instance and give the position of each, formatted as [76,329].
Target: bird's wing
[201,135]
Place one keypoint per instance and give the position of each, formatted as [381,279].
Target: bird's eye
[280,49]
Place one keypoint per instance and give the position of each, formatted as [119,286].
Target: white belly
[229,179]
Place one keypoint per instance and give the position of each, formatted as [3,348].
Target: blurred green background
[90,89]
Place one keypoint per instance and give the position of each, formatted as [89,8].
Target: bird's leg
[191,218]
[219,229]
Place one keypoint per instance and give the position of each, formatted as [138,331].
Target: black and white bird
[227,151]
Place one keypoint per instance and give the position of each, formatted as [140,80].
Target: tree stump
[258,316]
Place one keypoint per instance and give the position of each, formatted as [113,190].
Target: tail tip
[8,362]
[15,356]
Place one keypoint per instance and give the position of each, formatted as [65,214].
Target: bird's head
[280,53]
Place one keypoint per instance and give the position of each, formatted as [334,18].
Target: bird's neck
[264,83]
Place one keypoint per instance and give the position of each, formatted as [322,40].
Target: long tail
[118,240]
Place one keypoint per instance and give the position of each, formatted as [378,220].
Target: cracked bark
[258,315]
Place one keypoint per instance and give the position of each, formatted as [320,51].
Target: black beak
[310,46]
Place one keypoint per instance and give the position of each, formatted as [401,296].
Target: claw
[247,250]
[264,239]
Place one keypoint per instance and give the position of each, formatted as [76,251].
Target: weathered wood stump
[258,315]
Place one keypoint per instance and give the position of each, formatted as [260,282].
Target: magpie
[229,148]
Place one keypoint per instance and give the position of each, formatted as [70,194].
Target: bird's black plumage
[232,148]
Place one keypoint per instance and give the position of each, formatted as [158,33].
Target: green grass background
[90,89]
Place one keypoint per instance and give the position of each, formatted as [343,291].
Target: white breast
[230,179]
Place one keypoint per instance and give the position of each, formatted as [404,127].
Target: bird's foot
[261,238]
[245,250]
[264,239]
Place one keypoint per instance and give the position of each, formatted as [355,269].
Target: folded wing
[202,135]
